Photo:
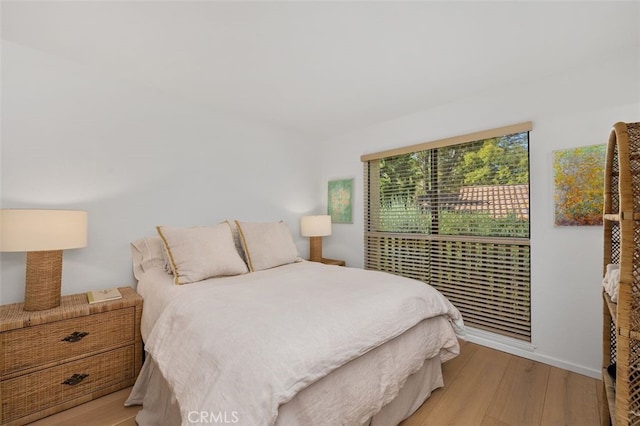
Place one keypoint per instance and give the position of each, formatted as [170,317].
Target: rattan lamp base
[43,280]
[315,249]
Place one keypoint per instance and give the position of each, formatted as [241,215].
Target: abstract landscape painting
[578,185]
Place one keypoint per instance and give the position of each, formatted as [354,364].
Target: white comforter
[244,345]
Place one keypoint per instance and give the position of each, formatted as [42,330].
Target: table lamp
[315,227]
[43,234]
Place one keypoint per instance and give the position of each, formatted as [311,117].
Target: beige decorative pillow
[199,253]
[267,245]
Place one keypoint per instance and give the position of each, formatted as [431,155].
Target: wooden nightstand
[333,262]
[58,358]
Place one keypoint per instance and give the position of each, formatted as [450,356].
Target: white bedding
[250,343]
[157,289]
[336,399]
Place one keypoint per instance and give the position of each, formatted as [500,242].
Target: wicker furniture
[55,359]
[621,320]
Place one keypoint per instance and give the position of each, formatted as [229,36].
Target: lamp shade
[42,230]
[315,226]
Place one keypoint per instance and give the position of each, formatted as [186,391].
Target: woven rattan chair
[621,322]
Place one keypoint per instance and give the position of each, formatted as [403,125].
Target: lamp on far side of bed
[43,234]
[315,227]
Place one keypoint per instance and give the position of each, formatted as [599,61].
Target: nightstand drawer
[37,345]
[46,388]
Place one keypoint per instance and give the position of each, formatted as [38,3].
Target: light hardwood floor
[486,387]
[482,387]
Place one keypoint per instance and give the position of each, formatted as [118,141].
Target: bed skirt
[161,408]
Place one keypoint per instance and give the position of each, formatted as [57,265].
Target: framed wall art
[578,185]
[340,203]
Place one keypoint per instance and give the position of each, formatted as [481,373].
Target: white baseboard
[525,350]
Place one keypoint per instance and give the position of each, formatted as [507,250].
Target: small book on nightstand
[103,295]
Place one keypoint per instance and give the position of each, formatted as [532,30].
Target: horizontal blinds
[457,217]
[476,188]
[488,283]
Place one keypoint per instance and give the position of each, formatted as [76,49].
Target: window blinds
[455,214]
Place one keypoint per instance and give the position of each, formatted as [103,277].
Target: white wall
[75,138]
[574,109]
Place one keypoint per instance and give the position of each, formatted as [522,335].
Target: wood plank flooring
[486,387]
[483,387]
[106,411]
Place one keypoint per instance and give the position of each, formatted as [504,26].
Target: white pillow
[267,245]
[199,253]
[148,253]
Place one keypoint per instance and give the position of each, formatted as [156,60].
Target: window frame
[431,258]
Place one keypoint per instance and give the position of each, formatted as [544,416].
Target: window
[455,214]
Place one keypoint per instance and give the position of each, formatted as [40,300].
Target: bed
[295,343]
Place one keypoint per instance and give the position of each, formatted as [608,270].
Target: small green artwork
[340,203]
[579,182]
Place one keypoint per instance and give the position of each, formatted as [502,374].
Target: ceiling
[325,68]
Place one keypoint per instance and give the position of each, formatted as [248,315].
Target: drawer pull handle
[75,379]
[75,336]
